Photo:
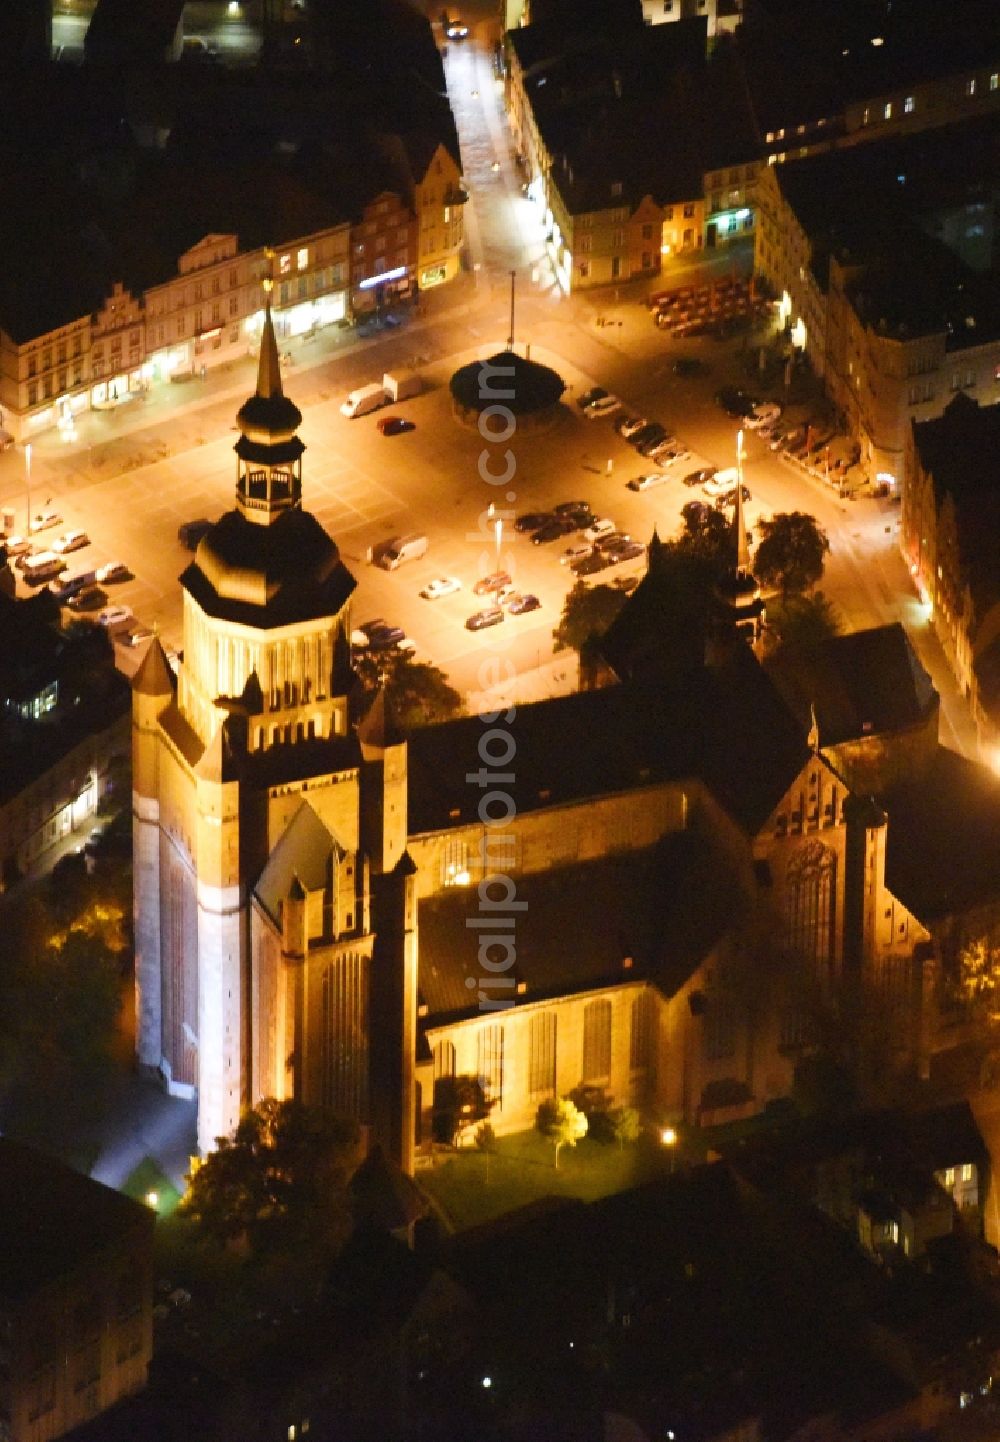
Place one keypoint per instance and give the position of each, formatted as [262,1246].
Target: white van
[36,569]
[363,400]
[402,548]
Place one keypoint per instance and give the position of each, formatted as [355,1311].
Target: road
[135,474]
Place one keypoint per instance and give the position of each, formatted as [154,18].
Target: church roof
[663,909]
[268,576]
[154,676]
[269,416]
[943,843]
[866,683]
[302,853]
[725,725]
[378,727]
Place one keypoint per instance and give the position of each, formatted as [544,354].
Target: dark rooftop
[598,923]
[943,850]
[862,684]
[54,1218]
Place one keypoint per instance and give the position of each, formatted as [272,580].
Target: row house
[207,314]
[383,256]
[730,202]
[438,200]
[949,537]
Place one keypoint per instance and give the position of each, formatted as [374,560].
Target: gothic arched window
[597,1040]
[444,1059]
[810,908]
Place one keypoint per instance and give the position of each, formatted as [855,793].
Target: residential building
[892,302]
[384,255]
[439,201]
[950,538]
[65,728]
[76,1296]
[117,350]
[722,16]
[44,373]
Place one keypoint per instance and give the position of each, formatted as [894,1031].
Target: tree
[562,1122]
[486,1142]
[587,613]
[979,977]
[791,553]
[707,535]
[419,691]
[459,1103]
[798,626]
[627,1125]
[279,1180]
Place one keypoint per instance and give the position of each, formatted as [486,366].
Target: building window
[586,242]
[887,112]
[810,908]
[688,212]
[668,212]
[284,264]
[967,1172]
[455,863]
[616,189]
[617,238]
[489,1062]
[647,232]
[970,86]
[908,105]
[584,269]
[865,116]
[616,267]
[994,81]
[302,258]
[542,1054]
[640,1037]
[33,394]
[720,1024]
[597,1040]
[444,1059]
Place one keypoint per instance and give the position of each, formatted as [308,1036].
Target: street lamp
[27,483]
[668,1138]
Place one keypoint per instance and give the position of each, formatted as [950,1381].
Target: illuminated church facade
[688,879]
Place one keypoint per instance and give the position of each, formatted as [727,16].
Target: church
[691,874]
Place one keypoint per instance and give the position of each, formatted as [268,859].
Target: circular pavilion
[529,390]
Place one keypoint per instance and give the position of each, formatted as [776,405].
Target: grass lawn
[522,1171]
[147,1178]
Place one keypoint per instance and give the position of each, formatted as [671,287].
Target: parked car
[553,530]
[627,426]
[91,598]
[589,565]
[700,476]
[611,542]
[575,553]
[531,521]
[764,414]
[601,527]
[729,499]
[649,435]
[571,508]
[71,541]
[489,616]
[45,520]
[735,402]
[722,483]
[606,406]
[645,483]
[441,586]
[395,425]
[381,636]
[596,393]
[69,586]
[115,618]
[648,447]
[17,545]
[668,453]
[113,571]
[138,635]
[493,582]
[627,550]
[518,604]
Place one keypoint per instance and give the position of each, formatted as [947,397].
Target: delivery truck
[400,385]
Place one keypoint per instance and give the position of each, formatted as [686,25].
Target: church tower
[255,804]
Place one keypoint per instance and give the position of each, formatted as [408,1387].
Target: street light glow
[668,1137]
[153,1200]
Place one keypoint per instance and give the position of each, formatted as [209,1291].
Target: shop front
[381,292]
[116,391]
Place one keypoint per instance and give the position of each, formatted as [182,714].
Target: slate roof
[54,1219]
[864,683]
[943,849]
[580,923]
[302,851]
[726,726]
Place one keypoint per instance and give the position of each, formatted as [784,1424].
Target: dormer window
[616,188]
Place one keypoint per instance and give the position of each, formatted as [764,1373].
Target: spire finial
[812,739]
[268,367]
